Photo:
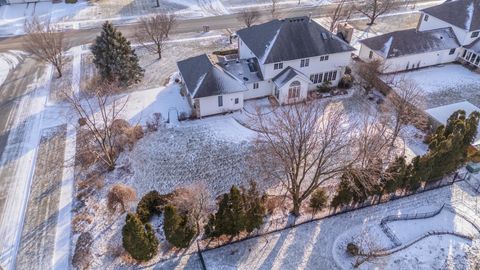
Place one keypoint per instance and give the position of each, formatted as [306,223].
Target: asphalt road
[228,21]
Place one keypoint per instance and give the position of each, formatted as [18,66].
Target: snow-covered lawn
[143,104]
[446,84]
[159,71]
[319,243]
[8,61]
[214,150]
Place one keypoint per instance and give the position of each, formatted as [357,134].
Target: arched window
[294,89]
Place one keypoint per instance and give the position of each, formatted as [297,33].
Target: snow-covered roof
[411,41]
[204,78]
[442,113]
[286,75]
[290,39]
[474,46]
[246,70]
[461,13]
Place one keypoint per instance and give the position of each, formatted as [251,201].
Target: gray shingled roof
[474,46]
[286,75]
[203,78]
[290,39]
[411,41]
[462,13]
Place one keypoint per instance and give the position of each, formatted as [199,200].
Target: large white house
[281,58]
[445,33]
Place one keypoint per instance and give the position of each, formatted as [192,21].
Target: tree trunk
[372,21]
[158,3]
[296,206]
[59,71]
[159,51]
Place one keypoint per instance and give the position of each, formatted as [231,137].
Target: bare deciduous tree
[153,32]
[44,41]
[168,22]
[97,112]
[341,12]
[371,148]
[402,104]
[274,10]
[249,17]
[303,146]
[369,73]
[375,8]
[196,200]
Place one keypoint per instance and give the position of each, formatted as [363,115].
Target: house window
[255,85]
[278,66]
[478,61]
[370,55]
[220,101]
[468,56]
[464,53]
[329,76]
[324,58]
[316,78]
[472,59]
[236,101]
[475,34]
[425,18]
[452,51]
[294,90]
[304,62]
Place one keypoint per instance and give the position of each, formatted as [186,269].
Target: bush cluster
[448,150]
[238,210]
[151,204]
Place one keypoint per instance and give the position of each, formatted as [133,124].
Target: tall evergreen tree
[114,57]
[230,217]
[237,211]
[139,239]
[177,229]
[255,209]
[318,200]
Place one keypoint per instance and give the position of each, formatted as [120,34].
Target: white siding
[400,63]
[365,54]
[336,61]
[209,105]
[425,59]
[264,89]
[243,51]
[435,23]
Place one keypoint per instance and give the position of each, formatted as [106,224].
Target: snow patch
[8,61]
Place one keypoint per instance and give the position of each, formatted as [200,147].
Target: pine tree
[231,214]
[254,208]
[318,200]
[344,194]
[114,57]
[139,239]
[176,227]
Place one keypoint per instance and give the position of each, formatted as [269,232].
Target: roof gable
[290,39]
[464,14]
[287,75]
[411,41]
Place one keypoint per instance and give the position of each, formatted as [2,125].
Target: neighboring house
[445,33]
[281,58]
